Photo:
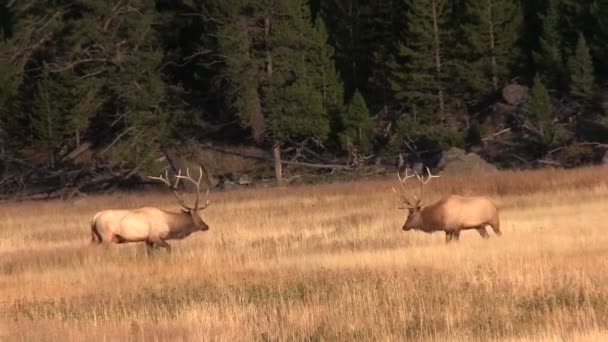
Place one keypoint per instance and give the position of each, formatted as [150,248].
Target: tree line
[136,76]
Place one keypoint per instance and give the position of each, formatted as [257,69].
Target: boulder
[452,154]
[515,94]
[456,161]
[244,180]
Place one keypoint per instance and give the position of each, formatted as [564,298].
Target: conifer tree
[89,101]
[272,63]
[549,59]
[539,112]
[385,28]
[48,116]
[492,31]
[597,42]
[581,71]
[418,75]
[357,126]
[327,78]
[347,21]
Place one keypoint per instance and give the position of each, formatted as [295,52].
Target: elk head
[414,217]
[190,210]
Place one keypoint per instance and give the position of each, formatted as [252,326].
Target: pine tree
[384,29]
[357,126]
[89,102]
[9,93]
[327,78]
[549,59]
[597,42]
[418,75]
[123,76]
[581,71]
[347,21]
[272,63]
[48,118]
[539,112]
[492,32]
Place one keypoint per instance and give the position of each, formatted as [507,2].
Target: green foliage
[427,135]
[48,115]
[326,77]
[540,112]
[279,67]
[474,134]
[598,35]
[417,77]
[8,105]
[581,71]
[357,126]
[550,59]
[347,20]
[490,52]
[141,74]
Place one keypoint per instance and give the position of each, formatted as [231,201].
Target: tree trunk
[437,48]
[268,54]
[278,168]
[77,135]
[256,119]
[276,147]
[492,47]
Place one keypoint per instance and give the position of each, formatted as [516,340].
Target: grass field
[318,263]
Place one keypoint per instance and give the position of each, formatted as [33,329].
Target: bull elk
[450,214]
[153,226]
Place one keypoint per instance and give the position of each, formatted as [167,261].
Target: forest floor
[323,262]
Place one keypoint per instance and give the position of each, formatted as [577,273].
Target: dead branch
[284,162]
[501,132]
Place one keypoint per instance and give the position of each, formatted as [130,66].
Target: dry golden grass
[313,263]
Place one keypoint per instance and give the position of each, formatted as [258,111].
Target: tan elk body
[147,224]
[450,214]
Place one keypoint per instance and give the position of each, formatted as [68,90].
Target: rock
[515,94]
[227,184]
[245,180]
[456,161]
[212,181]
[451,155]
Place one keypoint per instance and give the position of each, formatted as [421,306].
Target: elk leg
[483,232]
[448,237]
[150,247]
[164,244]
[496,227]
[456,235]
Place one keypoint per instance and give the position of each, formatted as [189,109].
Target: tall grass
[318,263]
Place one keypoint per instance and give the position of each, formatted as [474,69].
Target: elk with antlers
[450,214]
[153,226]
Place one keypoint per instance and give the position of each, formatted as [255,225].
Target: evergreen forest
[347,83]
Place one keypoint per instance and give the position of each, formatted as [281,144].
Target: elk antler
[197,184]
[403,195]
[422,181]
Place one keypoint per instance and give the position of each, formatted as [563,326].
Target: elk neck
[431,219]
[181,222]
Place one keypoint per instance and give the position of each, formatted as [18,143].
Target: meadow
[318,263]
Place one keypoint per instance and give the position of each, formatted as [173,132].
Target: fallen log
[284,162]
